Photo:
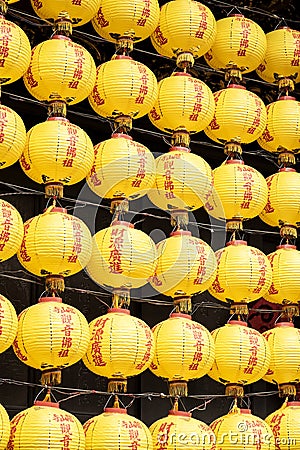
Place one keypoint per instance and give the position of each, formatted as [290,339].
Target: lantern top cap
[121,135]
[234,161]
[122,223]
[43,403]
[120,57]
[116,410]
[62,119]
[245,411]
[60,37]
[287,246]
[236,242]
[237,322]
[172,412]
[293,403]
[119,310]
[179,149]
[286,97]
[287,169]
[236,86]
[236,15]
[284,324]
[184,316]
[57,209]
[50,299]
[181,233]
[181,74]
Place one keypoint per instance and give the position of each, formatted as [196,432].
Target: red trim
[119,310]
[63,119]
[234,161]
[121,135]
[181,74]
[237,242]
[236,15]
[287,97]
[180,149]
[115,410]
[287,169]
[58,209]
[292,247]
[179,413]
[245,411]
[61,37]
[236,86]
[237,322]
[42,403]
[181,233]
[284,324]
[121,57]
[50,299]
[184,316]
[123,223]
[293,403]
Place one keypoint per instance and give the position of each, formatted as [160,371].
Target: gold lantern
[184,350]
[80,11]
[284,342]
[51,336]
[11,230]
[284,424]
[55,245]
[8,324]
[136,19]
[12,136]
[242,356]
[121,346]
[244,274]
[44,425]
[5,428]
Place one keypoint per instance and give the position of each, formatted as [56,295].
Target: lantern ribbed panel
[122,256]
[285,425]
[284,342]
[123,87]
[182,101]
[282,57]
[12,136]
[241,430]
[55,243]
[80,12]
[239,191]
[283,126]
[122,167]
[184,349]
[183,181]
[44,427]
[181,431]
[184,25]
[60,70]
[51,335]
[242,354]
[239,114]
[185,264]
[117,18]
[57,151]
[9,325]
[11,230]
[239,41]
[4,428]
[16,48]
[243,274]
[120,346]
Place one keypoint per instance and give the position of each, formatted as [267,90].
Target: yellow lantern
[5,428]
[121,346]
[12,136]
[57,153]
[122,256]
[241,430]
[137,19]
[11,230]
[244,274]
[284,424]
[8,325]
[45,426]
[240,115]
[182,102]
[55,245]
[184,350]
[240,43]
[51,336]
[242,356]
[186,27]
[122,168]
[80,11]
[284,367]
[60,70]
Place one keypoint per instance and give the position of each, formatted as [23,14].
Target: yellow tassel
[3,7]
[288,231]
[233,148]
[51,377]
[181,138]
[286,389]
[236,223]
[239,309]
[117,385]
[285,157]
[290,310]
[54,190]
[179,218]
[234,390]
[178,388]
[57,109]
[184,59]
[55,283]
[183,304]
[63,25]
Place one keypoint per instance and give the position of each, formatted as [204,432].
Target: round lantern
[11,230]
[122,168]
[57,153]
[239,115]
[241,430]
[45,426]
[60,70]
[184,350]
[182,102]
[134,18]
[121,346]
[243,275]
[122,256]
[179,429]
[284,367]
[55,245]
[51,336]
[8,326]
[240,43]
[242,356]
[80,11]
[185,27]
[5,428]
[12,136]
[284,424]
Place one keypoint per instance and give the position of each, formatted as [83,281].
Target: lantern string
[202,406]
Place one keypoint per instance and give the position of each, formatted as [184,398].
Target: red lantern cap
[121,57]
[50,299]
[123,223]
[236,242]
[61,37]
[62,119]
[119,310]
[179,149]
[284,324]
[287,246]
[286,97]
[115,410]
[181,74]
[245,411]
[287,169]
[179,413]
[181,233]
[184,316]
[236,86]
[237,322]
[121,135]
[43,403]
[234,161]
[293,403]
[57,208]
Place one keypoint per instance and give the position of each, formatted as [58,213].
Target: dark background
[23,289]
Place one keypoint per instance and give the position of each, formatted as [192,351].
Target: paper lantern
[121,346]
[51,336]
[5,428]
[242,356]
[239,115]
[136,19]
[284,424]
[184,350]
[240,43]
[80,11]
[122,256]
[182,102]
[243,431]
[243,275]
[122,168]
[45,426]
[55,245]
[12,136]
[60,70]
[8,327]
[11,230]
[284,367]
[57,153]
